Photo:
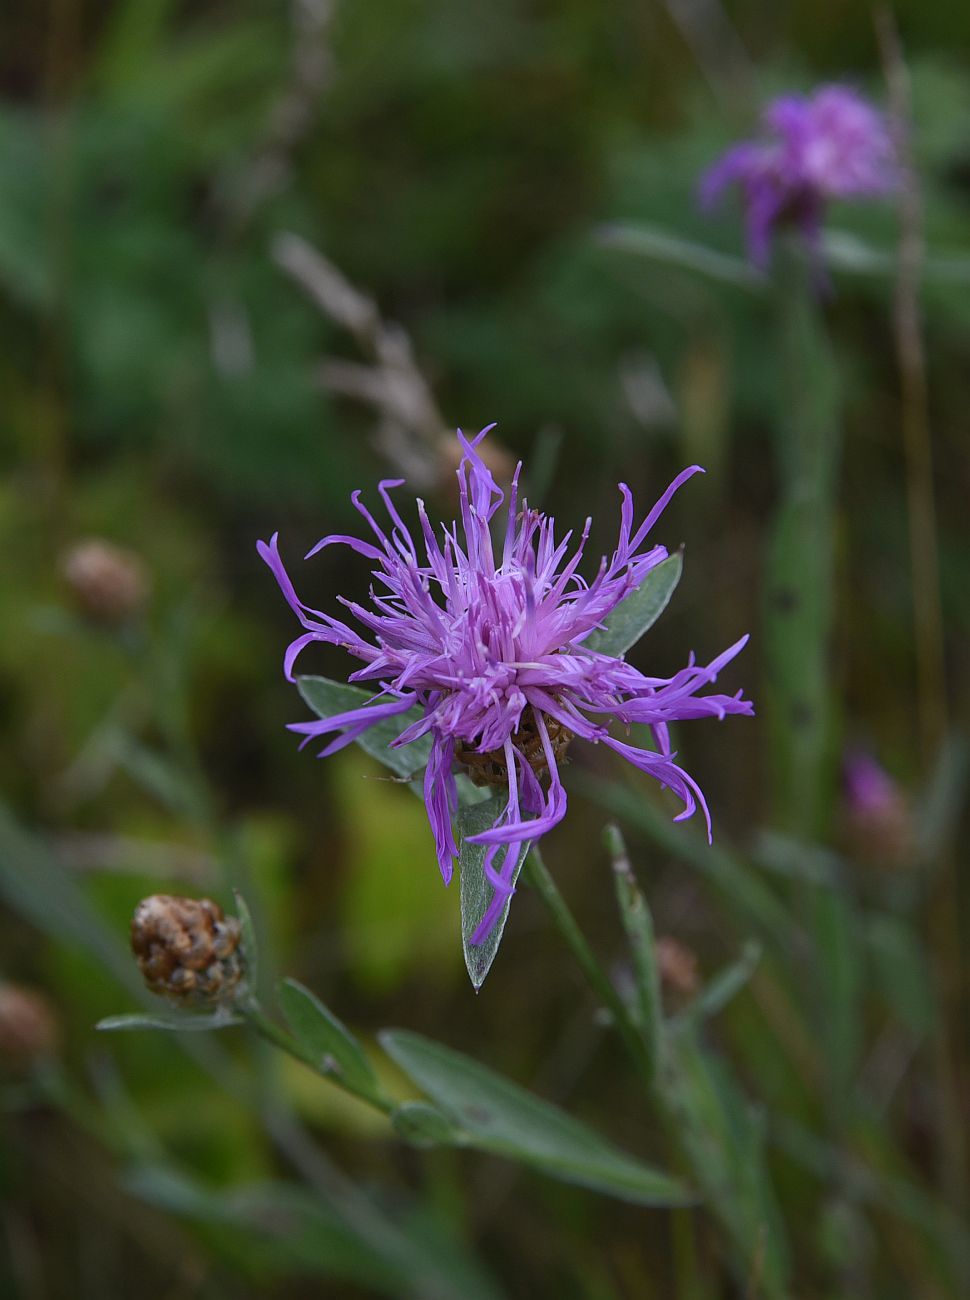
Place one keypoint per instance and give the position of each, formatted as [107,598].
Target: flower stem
[638,924]
[275,1034]
[799,578]
[537,874]
[659,1070]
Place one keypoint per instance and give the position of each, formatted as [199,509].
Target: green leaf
[641,609]
[327,698]
[250,949]
[901,972]
[724,986]
[424,1126]
[475,891]
[281,1225]
[638,924]
[669,250]
[846,252]
[741,888]
[724,1138]
[178,1024]
[38,888]
[500,1117]
[326,1040]
[157,776]
[941,804]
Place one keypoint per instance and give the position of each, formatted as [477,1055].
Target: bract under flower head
[486,636]
[812,149]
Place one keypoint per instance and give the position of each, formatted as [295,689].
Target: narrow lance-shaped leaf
[637,614]
[475,891]
[666,249]
[723,1137]
[178,1024]
[497,1115]
[250,949]
[424,1126]
[638,924]
[724,986]
[326,1040]
[327,698]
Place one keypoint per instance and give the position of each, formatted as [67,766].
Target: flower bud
[677,965]
[187,949]
[877,813]
[109,584]
[28,1029]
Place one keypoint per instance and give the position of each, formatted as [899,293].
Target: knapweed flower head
[486,637]
[187,949]
[878,815]
[832,144]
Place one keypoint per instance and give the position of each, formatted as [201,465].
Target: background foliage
[168,386]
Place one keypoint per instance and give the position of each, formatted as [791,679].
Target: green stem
[798,612]
[659,1073]
[798,627]
[275,1034]
[638,924]
[537,874]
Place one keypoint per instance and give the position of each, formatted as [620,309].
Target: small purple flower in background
[869,789]
[812,149]
[485,637]
[877,810]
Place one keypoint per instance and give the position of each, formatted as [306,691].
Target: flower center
[490,768]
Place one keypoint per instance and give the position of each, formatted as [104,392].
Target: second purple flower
[812,149]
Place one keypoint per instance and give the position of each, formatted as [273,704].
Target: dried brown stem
[411,430]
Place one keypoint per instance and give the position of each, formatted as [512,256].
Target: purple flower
[878,815]
[828,145]
[869,789]
[485,637]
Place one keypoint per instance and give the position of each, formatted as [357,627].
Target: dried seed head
[187,949]
[28,1028]
[677,965]
[109,584]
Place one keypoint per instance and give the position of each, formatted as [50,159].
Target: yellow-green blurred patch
[397,915]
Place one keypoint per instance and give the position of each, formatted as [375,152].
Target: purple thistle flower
[487,640]
[829,145]
[869,789]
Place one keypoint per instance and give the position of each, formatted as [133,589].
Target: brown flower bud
[109,584]
[187,949]
[28,1028]
[677,965]
[450,453]
[877,814]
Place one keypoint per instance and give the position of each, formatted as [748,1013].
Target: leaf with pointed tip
[638,923]
[327,698]
[326,1040]
[424,1126]
[723,987]
[497,1115]
[666,249]
[178,1024]
[247,930]
[639,611]
[475,891]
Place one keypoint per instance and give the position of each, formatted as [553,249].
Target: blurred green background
[170,384]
